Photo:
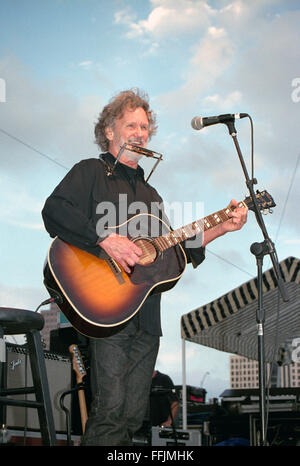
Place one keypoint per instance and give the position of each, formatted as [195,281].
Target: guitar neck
[174,237]
[83,409]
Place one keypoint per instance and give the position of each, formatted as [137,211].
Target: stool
[18,322]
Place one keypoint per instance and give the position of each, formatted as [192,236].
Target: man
[122,364]
[164,402]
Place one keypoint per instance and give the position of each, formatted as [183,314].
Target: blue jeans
[121,373]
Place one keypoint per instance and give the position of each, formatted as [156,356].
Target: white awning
[229,322]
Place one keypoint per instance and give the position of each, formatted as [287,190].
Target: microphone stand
[259,250]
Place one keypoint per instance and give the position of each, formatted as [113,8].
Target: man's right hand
[122,250]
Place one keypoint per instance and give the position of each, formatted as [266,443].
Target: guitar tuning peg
[267,211]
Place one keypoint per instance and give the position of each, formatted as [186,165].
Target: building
[52,321]
[244,374]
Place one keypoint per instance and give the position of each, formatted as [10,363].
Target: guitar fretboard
[189,231]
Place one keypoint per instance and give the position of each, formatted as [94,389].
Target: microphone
[200,122]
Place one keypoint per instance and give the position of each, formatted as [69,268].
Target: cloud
[47,117]
[223,102]
[85,64]
[18,207]
[229,73]
[21,297]
[214,51]
[210,58]
[167,19]
[124,16]
[170,358]
[292,241]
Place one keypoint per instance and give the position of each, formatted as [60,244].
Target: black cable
[287,197]
[32,148]
[67,411]
[230,263]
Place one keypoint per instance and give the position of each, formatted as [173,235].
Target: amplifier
[165,436]
[59,372]
[193,394]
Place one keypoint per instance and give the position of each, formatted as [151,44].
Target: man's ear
[109,133]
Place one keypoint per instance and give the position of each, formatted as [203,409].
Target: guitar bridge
[116,270]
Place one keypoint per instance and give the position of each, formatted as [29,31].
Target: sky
[61,61]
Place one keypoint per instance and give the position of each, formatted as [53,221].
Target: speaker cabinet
[18,374]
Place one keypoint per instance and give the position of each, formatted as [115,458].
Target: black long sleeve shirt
[72,213]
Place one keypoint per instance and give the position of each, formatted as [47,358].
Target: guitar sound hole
[149,251]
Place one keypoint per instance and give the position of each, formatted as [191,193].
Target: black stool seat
[18,321]
[15,322]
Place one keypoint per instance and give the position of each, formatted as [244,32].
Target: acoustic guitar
[95,293]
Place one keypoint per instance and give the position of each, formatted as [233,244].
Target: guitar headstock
[264,201]
[77,362]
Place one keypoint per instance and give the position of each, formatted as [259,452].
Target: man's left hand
[238,217]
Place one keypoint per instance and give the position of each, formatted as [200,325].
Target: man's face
[132,127]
